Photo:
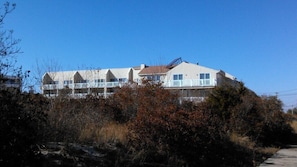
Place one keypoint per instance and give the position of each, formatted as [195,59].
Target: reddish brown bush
[124,103]
[166,132]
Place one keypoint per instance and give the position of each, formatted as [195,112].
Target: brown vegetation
[150,127]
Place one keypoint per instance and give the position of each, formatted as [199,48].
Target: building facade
[10,82]
[191,80]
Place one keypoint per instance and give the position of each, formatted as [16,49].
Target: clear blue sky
[254,40]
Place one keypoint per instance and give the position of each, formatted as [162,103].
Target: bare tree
[10,74]
[8,45]
[50,66]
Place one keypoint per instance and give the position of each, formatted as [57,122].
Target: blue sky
[254,40]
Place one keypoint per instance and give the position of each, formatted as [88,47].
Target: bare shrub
[69,117]
[110,132]
[243,141]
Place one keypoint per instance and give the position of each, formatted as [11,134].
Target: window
[113,80]
[122,79]
[178,79]
[83,81]
[204,79]
[67,82]
[99,80]
[153,77]
[149,77]
[53,82]
[157,77]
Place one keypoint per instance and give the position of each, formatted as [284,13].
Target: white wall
[190,71]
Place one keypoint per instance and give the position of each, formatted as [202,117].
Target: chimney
[142,66]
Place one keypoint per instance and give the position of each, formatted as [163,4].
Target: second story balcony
[50,86]
[81,85]
[98,85]
[189,83]
[167,84]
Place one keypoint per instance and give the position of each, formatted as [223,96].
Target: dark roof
[154,70]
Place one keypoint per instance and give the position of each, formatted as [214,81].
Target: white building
[192,80]
[10,82]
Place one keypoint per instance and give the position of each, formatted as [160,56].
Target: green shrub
[245,113]
[276,129]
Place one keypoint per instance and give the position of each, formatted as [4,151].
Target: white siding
[109,78]
[190,71]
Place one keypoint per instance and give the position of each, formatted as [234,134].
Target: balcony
[166,84]
[13,85]
[81,85]
[70,86]
[50,86]
[189,83]
[98,85]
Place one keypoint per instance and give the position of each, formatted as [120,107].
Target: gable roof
[154,70]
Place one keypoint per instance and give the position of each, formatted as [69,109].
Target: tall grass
[243,141]
[110,132]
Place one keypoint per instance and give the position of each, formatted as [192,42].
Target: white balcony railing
[166,84]
[81,85]
[50,87]
[13,85]
[189,83]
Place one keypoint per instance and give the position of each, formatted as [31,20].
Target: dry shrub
[268,150]
[174,137]
[293,124]
[69,118]
[124,103]
[87,134]
[165,132]
[110,132]
[243,141]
